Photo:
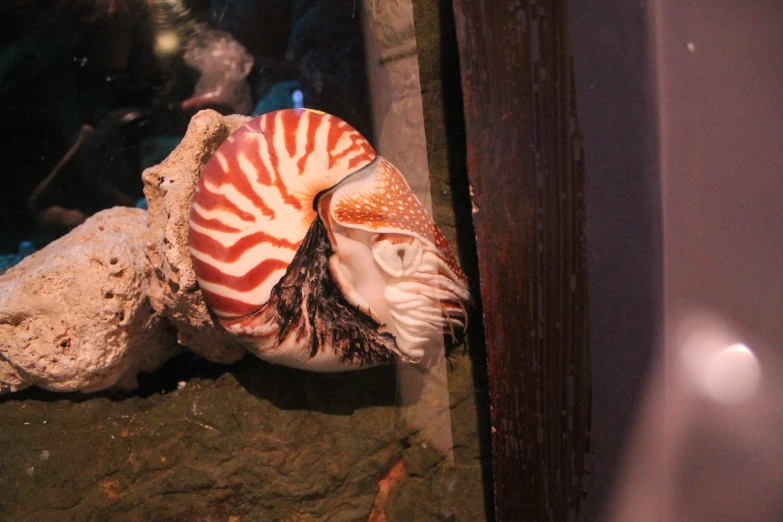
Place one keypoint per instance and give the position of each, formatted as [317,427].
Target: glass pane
[683,138]
[123,395]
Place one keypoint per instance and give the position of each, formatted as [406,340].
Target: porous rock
[169,189]
[10,380]
[74,316]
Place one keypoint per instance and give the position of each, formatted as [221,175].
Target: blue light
[298,99]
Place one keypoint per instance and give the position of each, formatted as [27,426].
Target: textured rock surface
[10,380]
[75,316]
[169,189]
[253,441]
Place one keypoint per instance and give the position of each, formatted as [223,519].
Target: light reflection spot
[732,375]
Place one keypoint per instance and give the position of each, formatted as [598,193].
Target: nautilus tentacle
[314,249]
[390,257]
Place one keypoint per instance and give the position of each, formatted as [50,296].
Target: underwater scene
[235,283]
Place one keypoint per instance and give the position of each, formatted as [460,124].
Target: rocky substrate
[245,442]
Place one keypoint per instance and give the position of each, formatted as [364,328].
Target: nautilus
[313,249]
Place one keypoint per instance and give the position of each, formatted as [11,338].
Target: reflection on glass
[732,374]
[716,365]
[309,238]
[709,443]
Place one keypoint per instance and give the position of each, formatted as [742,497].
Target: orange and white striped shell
[314,250]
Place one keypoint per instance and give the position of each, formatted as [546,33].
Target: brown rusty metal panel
[526,169]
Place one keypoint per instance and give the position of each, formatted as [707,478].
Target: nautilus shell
[314,250]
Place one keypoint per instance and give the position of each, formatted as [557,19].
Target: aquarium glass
[222,296]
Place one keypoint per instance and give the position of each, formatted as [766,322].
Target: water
[95,93]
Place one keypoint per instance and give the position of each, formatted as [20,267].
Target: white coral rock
[10,380]
[169,188]
[75,316]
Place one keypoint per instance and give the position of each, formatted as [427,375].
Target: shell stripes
[254,202]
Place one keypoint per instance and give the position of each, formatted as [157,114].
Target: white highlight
[716,364]
[732,375]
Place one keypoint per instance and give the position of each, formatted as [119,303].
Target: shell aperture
[315,251]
